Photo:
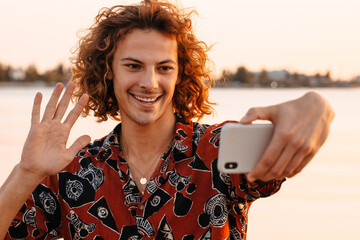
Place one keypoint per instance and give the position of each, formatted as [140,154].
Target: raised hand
[301,127]
[45,151]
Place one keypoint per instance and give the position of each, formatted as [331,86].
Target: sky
[304,36]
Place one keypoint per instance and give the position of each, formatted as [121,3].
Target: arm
[301,127]
[44,152]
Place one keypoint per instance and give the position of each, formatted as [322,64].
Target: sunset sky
[308,36]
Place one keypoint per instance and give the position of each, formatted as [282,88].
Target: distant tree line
[242,77]
[31,74]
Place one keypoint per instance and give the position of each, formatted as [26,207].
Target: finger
[80,143]
[76,111]
[35,114]
[297,159]
[51,106]
[302,164]
[301,159]
[64,102]
[257,113]
[270,156]
[294,163]
[274,150]
[278,169]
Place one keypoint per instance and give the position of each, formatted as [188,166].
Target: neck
[142,144]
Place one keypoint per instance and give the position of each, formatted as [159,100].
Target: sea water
[322,202]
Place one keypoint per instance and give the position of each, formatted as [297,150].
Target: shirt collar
[182,141]
[110,143]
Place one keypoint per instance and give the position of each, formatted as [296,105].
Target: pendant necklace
[143,179]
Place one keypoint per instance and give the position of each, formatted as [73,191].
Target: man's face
[145,72]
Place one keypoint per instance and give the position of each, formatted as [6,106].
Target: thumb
[79,144]
[257,113]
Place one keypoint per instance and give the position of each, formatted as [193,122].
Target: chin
[148,117]
[144,120]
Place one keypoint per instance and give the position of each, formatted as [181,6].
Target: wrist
[29,177]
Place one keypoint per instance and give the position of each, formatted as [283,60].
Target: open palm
[45,151]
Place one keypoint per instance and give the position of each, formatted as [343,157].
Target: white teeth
[148,100]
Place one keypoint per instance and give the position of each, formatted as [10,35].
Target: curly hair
[95,52]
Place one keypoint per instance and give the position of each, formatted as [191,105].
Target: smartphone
[242,145]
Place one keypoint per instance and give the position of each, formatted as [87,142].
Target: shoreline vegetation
[241,78]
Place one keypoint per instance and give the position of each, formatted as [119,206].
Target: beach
[322,202]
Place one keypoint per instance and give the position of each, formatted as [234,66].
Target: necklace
[144,178]
[143,181]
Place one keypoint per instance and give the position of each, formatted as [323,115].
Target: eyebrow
[138,61]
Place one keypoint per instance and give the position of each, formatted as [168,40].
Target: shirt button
[141,207]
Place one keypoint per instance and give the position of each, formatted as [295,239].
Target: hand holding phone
[242,145]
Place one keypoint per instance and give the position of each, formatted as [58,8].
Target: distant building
[281,75]
[357,79]
[17,75]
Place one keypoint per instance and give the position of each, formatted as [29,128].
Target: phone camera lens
[231,165]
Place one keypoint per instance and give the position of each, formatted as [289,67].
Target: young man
[154,176]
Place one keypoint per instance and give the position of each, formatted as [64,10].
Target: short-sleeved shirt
[95,197]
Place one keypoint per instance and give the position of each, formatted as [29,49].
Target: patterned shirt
[95,197]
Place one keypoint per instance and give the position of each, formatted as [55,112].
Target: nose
[149,80]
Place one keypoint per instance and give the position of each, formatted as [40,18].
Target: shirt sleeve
[39,217]
[250,191]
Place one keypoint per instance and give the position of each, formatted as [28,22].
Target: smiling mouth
[146,100]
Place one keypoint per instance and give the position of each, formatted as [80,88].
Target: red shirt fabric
[188,198]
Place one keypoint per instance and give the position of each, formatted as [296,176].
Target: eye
[133,66]
[165,68]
